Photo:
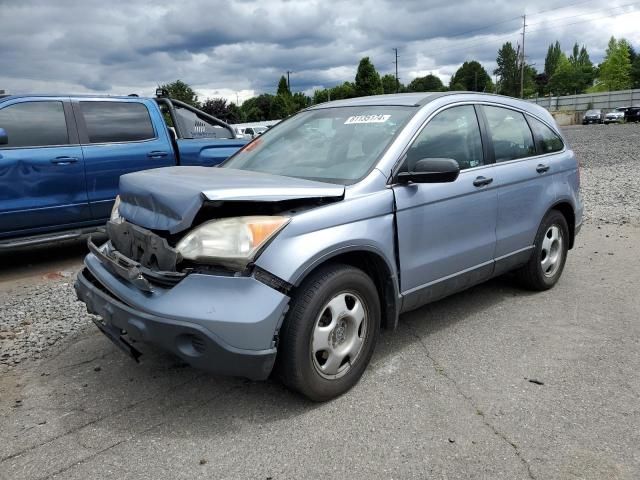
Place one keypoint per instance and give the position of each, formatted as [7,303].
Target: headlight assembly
[232,242]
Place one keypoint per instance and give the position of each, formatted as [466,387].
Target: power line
[583,21]
[496,38]
[587,13]
[459,34]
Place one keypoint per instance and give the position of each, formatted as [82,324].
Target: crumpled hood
[169,198]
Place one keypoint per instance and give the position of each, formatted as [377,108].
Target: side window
[34,124]
[548,140]
[116,122]
[510,133]
[453,133]
[199,126]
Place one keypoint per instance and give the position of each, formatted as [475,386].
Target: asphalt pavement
[492,383]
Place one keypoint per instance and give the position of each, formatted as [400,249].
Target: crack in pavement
[80,427]
[141,432]
[441,371]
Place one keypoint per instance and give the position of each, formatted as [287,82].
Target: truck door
[202,142]
[119,136]
[42,179]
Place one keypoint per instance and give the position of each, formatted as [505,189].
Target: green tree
[299,101]
[234,113]
[320,96]
[563,80]
[258,109]
[279,108]
[283,86]
[428,83]
[583,70]
[346,90]
[390,84]
[471,76]
[614,72]
[552,60]
[508,71]
[634,58]
[635,73]
[181,91]
[367,79]
[219,108]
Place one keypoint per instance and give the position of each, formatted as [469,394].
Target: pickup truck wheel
[330,332]
[549,255]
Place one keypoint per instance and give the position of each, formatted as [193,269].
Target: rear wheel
[330,332]
[545,266]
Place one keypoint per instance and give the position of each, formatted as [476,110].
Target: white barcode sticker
[367,119]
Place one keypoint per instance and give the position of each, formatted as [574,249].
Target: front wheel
[545,266]
[330,332]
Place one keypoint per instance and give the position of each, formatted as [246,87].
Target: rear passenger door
[42,179]
[524,166]
[118,136]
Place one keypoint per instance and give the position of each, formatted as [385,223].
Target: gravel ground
[610,158]
[35,317]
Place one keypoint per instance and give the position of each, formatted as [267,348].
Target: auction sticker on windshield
[367,119]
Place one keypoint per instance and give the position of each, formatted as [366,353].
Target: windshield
[337,145]
[593,112]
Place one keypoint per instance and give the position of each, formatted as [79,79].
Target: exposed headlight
[232,242]
[115,211]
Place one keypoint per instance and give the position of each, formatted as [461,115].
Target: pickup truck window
[109,122]
[198,126]
[34,124]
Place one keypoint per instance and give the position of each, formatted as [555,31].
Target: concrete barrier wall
[581,103]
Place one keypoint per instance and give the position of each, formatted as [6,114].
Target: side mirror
[4,139]
[431,170]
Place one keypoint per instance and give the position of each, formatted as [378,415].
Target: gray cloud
[131,46]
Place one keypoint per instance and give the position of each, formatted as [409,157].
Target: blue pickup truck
[61,157]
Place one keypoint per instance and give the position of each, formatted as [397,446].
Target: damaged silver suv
[291,256]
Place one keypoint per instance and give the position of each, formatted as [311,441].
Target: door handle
[157,154]
[541,168]
[482,181]
[64,160]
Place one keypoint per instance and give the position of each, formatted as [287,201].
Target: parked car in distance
[291,256]
[592,116]
[616,116]
[253,132]
[61,157]
[632,114]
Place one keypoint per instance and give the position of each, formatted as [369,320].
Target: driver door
[447,231]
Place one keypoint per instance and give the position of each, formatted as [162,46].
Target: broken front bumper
[225,325]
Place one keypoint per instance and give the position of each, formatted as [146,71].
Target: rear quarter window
[548,140]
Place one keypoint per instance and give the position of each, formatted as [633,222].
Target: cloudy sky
[224,48]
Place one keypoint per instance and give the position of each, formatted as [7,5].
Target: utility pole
[289,83]
[524,27]
[397,78]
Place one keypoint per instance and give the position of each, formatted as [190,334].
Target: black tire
[295,365]
[532,275]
